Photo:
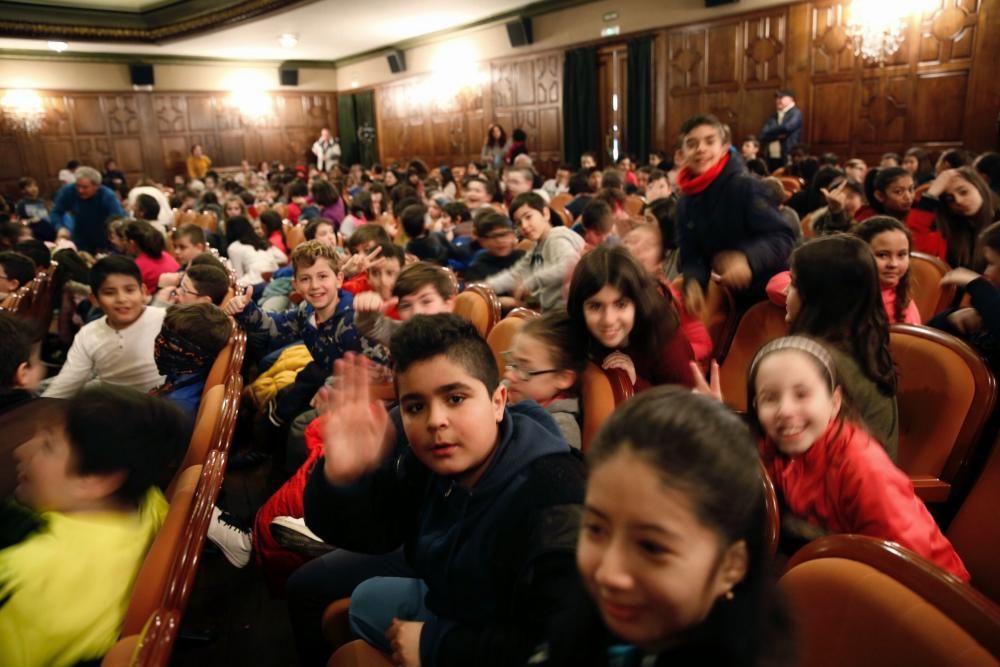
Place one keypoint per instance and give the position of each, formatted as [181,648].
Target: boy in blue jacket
[485,499]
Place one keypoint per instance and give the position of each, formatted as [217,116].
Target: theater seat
[358,654]
[205,426]
[501,337]
[762,323]
[975,530]
[294,236]
[865,602]
[945,394]
[560,200]
[601,390]
[926,272]
[773,529]
[633,205]
[479,304]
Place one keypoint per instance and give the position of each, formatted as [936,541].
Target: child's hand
[520,293]
[622,361]
[236,305]
[966,320]
[712,388]
[166,295]
[943,181]
[404,639]
[694,297]
[361,262]
[734,269]
[836,198]
[371,302]
[959,277]
[354,438]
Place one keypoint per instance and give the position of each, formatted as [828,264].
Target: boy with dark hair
[426,245]
[37,251]
[117,348]
[381,274]
[365,238]
[185,349]
[499,250]
[21,368]
[31,209]
[422,288]
[324,321]
[598,222]
[322,230]
[657,186]
[146,208]
[89,480]
[582,191]
[483,497]
[479,191]
[16,271]
[203,283]
[541,272]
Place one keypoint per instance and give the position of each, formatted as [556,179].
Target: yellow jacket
[281,374]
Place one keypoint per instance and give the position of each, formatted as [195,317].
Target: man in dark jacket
[726,224]
[782,131]
[484,499]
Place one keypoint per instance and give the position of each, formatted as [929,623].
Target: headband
[802,344]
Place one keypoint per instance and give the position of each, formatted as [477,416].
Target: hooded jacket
[498,559]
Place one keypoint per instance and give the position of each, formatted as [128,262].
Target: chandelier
[876,28]
[23,109]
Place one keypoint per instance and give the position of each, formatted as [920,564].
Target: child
[324,322]
[274,231]
[21,368]
[18,270]
[598,221]
[381,275]
[425,245]
[422,288]
[32,210]
[116,235]
[540,273]
[949,218]
[834,296]
[825,465]
[845,206]
[117,348]
[724,221]
[251,255]
[625,323]
[498,246]
[90,477]
[37,252]
[321,230]
[890,242]
[542,366]
[146,245]
[671,549]
[482,496]
[189,241]
[185,349]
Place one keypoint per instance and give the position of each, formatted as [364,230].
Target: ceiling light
[58,47]
[288,40]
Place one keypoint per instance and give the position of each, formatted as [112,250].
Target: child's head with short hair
[519,180]
[37,251]
[645,245]
[384,271]
[190,339]
[684,468]
[457,212]
[18,271]
[531,215]
[20,355]
[366,237]
[598,222]
[414,219]
[28,187]
[117,289]
[450,396]
[317,274]
[110,447]
[146,207]
[203,283]
[495,233]
[115,227]
[704,143]
[208,259]
[543,362]
[424,289]
[322,230]
[189,240]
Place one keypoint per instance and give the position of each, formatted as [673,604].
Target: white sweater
[114,356]
[543,269]
[250,264]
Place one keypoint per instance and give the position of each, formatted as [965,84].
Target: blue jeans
[376,602]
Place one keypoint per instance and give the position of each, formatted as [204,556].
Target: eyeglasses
[523,374]
[181,288]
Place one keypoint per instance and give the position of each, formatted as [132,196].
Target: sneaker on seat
[293,534]
[233,540]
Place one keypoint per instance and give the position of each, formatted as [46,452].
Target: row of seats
[165,580]
[207,220]
[34,300]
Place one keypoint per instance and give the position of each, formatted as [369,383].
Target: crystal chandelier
[876,29]
[23,109]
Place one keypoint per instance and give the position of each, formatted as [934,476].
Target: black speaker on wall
[397,61]
[717,3]
[141,74]
[289,77]
[519,32]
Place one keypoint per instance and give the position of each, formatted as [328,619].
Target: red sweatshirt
[845,483]
[926,237]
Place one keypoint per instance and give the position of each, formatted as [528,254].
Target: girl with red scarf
[726,224]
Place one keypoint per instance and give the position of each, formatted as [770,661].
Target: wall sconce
[23,108]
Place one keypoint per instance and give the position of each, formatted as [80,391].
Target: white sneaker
[235,542]
[293,534]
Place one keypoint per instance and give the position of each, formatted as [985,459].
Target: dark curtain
[639,109]
[580,132]
[364,115]
[347,122]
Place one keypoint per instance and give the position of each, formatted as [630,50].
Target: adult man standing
[89,204]
[327,151]
[781,131]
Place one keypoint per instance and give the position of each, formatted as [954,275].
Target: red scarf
[692,184]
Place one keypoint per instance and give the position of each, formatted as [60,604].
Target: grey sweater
[543,269]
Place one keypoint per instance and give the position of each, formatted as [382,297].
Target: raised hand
[733,269]
[713,387]
[959,277]
[371,302]
[836,198]
[404,638]
[240,301]
[354,438]
[359,262]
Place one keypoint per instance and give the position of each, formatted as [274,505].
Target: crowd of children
[449,499]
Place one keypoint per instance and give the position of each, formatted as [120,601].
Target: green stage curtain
[639,121]
[580,132]
[347,122]
[356,120]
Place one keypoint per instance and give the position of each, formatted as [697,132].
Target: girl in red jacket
[623,321]
[890,242]
[826,467]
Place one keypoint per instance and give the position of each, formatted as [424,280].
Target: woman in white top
[250,255]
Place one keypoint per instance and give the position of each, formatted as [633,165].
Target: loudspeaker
[141,74]
[717,3]
[397,61]
[289,77]
[519,32]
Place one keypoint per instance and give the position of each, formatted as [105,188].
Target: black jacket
[484,265]
[498,559]
[436,248]
[788,133]
[733,213]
